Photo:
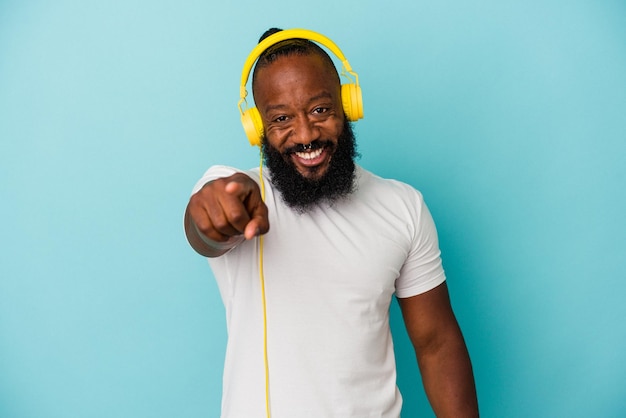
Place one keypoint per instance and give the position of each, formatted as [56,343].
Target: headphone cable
[262,283]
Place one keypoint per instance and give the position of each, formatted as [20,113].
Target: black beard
[301,193]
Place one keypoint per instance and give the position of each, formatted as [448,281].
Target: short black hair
[295,46]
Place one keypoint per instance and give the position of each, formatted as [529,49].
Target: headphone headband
[283,35]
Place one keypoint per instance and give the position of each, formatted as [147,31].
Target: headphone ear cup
[253,126]
[352,101]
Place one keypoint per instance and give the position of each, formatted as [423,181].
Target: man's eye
[280,118]
[320,110]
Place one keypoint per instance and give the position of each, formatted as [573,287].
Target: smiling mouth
[308,159]
[310,155]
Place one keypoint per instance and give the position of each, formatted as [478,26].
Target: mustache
[312,146]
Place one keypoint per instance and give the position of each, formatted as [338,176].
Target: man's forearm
[448,379]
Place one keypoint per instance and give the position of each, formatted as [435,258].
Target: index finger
[250,195]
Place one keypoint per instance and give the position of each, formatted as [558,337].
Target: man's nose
[305,131]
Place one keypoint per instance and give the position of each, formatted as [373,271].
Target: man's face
[309,146]
[299,99]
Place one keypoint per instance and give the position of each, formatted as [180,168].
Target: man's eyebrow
[322,95]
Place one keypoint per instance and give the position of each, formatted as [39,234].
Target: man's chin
[312,173]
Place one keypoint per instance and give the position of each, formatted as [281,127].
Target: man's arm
[223,213]
[441,353]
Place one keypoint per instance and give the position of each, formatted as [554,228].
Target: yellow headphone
[350,93]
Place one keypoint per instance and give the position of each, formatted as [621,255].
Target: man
[338,243]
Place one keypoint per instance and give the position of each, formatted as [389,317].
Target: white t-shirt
[330,275]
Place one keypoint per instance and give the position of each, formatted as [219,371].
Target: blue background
[510,117]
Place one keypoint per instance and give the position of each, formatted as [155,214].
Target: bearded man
[312,338]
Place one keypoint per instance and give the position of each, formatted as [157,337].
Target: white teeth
[310,155]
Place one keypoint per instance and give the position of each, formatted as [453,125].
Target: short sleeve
[215,172]
[423,269]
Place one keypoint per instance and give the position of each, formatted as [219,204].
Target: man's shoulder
[373,183]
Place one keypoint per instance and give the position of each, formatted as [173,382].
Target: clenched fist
[223,213]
